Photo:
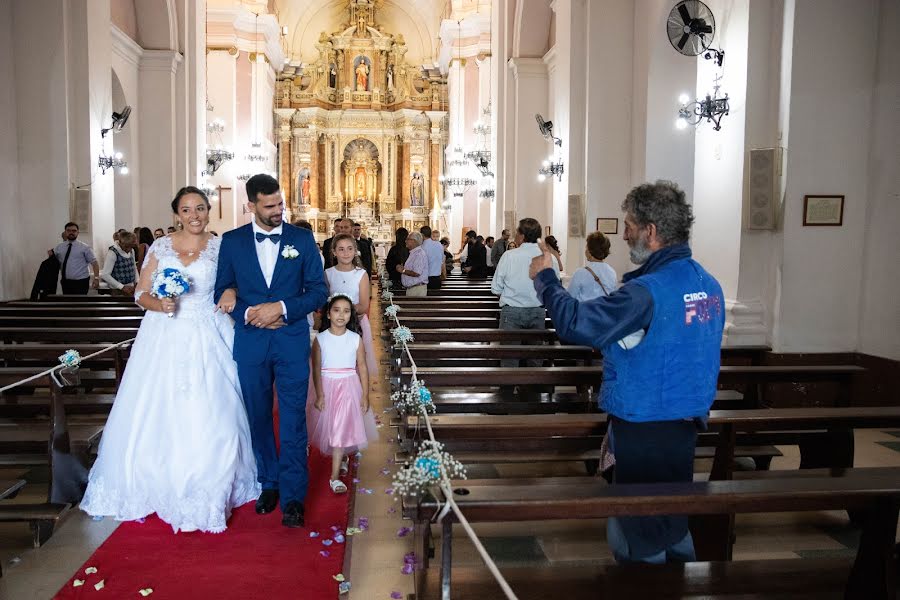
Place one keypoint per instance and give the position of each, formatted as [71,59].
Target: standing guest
[414,270]
[171,230]
[436,235]
[476,265]
[45,281]
[489,249]
[119,269]
[435,252]
[349,278]
[448,256]
[366,252]
[596,278]
[396,256]
[659,392]
[500,246]
[341,227]
[343,421]
[520,307]
[145,239]
[158,233]
[553,247]
[76,258]
[311,317]
[467,245]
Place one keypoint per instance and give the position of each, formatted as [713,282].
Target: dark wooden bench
[88,298]
[36,355]
[61,335]
[874,492]
[55,309]
[74,322]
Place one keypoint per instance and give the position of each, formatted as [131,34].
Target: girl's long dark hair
[352,324]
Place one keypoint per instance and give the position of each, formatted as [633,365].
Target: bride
[177,441]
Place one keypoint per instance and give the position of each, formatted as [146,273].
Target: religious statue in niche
[390,78]
[362,74]
[332,76]
[303,183]
[360,183]
[417,189]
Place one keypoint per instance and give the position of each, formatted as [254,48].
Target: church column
[434,189]
[285,176]
[486,222]
[314,170]
[529,96]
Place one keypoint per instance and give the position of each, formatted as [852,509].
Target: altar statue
[417,189]
[362,76]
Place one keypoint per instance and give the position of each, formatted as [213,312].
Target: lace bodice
[201,272]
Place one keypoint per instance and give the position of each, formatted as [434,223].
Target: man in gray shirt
[499,248]
[76,258]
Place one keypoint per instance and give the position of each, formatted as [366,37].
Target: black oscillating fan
[691,27]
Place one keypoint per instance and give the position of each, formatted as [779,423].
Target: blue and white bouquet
[170,283]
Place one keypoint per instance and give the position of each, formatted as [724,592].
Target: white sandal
[337,486]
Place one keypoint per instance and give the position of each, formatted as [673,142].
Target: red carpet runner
[255,558]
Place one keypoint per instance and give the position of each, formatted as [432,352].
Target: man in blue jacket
[660,334]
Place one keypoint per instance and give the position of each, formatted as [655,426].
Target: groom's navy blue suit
[264,356]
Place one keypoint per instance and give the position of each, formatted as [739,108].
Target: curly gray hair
[664,204]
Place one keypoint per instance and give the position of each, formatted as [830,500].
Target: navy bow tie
[274,237]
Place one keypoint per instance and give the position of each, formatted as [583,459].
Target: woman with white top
[596,278]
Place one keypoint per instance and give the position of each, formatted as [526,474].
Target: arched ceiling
[417,20]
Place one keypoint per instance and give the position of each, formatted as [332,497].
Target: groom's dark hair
[261,184]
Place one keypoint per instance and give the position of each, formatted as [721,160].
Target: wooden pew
[34,355]
[57,309]
[61,335]
[96,298]
[874,491]
[73,322]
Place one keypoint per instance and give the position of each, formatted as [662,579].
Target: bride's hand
[167,305]
[227,302]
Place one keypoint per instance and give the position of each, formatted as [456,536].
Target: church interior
[780,121]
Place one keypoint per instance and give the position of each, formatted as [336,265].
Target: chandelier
[457,179]
[113,162]
[712,108]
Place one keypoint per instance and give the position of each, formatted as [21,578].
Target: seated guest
[158,233]
[467,244]
[171,230]
[414,270]
[476,265]
[145,239]
[119,269]
[658,393]
[520,307]
[489,253]
[396,256]
[596,278]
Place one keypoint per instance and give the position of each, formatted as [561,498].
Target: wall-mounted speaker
[762,188]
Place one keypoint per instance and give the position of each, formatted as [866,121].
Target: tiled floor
[377,554]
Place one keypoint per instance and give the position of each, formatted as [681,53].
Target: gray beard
[639,252]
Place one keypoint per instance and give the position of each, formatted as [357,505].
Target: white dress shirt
[511,281]
[267,254]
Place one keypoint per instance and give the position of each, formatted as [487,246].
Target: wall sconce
[217,125]
[712,108]
[215,158]
[551,168]
[113,162]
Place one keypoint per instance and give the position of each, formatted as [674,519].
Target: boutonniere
[289,252]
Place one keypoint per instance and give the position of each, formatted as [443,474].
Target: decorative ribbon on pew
[69,363]
[431,461]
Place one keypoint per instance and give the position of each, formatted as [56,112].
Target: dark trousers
[76,286]
[283,469]
[434,283]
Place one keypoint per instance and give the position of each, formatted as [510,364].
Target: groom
[277,272]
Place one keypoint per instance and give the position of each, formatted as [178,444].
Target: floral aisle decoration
[391,311]
[413,399]
[424,472]
[402,334]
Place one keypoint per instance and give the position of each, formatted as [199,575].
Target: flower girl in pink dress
[342,421]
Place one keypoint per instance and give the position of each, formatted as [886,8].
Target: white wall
[830,124]
[126,56]
[880,308]
[12,257]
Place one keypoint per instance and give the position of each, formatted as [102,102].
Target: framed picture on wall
[321,225]
[823,211]
[607,226]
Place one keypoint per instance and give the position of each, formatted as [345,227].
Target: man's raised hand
[543,261]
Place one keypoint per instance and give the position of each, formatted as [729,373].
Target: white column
[528,150]
[222,84]
[486,224]
[126,58]
[456,80]
[191,92]
[158,146]
[503,115]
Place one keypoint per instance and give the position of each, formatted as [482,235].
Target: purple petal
[355,480]
[409,558]
[327,542]
[407,569]
[325,553]
[403,531]
[392,510]
[396,596]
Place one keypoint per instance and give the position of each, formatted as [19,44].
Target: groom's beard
[273,221]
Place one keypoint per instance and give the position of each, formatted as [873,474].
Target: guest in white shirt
[596,278]
[435,253]
[519,304]
[119,269]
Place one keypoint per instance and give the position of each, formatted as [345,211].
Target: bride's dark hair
[352,324]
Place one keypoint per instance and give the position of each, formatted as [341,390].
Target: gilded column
[404,176]
[314,172]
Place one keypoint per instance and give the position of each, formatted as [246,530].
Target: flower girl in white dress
[177,441]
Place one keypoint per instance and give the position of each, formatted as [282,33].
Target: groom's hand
[263,315]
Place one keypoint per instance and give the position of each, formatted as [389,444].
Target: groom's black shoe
[293,514]
[267,502]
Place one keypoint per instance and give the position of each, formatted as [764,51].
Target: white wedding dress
[177,441]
